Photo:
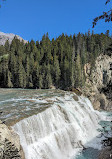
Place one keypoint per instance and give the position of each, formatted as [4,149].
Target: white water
[61,130]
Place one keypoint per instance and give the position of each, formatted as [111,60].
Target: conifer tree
[72,68]
[57,71]
[78,71]
[20,73]
[48,79]
[7,46]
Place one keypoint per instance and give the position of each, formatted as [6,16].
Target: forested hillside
[58,62]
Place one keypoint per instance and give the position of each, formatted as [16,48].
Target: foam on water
[61,130]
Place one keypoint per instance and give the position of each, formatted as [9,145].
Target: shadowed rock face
[108,90]
[99,83]
[9,144]
[6,36]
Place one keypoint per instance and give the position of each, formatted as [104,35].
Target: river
[53,124]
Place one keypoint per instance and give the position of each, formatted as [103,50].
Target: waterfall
[60,130]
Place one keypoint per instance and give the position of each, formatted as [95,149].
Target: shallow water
[89,153]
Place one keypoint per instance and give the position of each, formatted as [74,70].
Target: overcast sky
[32,18]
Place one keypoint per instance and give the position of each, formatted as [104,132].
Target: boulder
[96,105]
[75,97]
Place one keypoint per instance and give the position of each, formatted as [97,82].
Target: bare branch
[107,2]
[3,1]
[106,15]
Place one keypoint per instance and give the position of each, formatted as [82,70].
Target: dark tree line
[58,62]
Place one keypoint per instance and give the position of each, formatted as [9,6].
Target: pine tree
[4,69]
[27,70]
[7,46]
[57,72]
[78,71]
[66,74]
[20,72]
[72,68]
[48,79]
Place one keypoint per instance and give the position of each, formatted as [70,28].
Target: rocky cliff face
[5,36]
[99,82]
[9,144]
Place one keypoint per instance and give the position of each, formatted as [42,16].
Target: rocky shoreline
[9,144]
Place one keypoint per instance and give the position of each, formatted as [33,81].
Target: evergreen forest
[58,62]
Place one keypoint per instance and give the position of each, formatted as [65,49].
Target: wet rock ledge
[10,147]
[106,153]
